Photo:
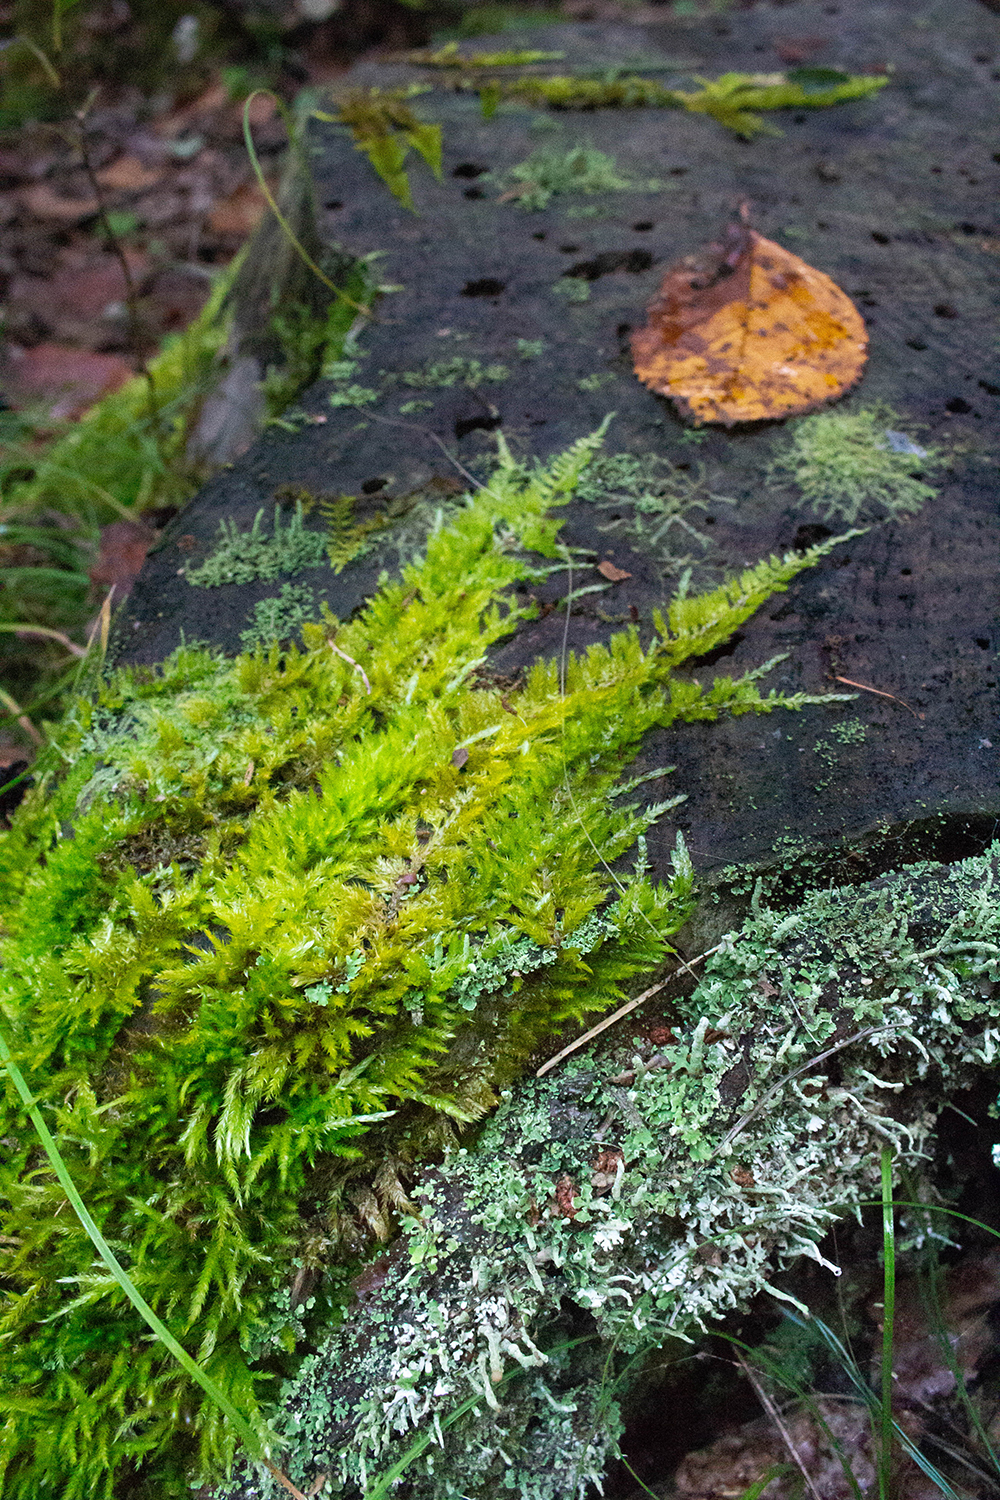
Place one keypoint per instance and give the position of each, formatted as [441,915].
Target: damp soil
[895,198]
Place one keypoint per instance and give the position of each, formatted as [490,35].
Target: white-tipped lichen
[604,1212]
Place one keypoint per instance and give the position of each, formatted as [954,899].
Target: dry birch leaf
[743,331]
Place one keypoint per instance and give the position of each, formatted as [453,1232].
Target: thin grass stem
[888,1322]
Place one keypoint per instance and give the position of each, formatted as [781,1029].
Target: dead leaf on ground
[744,331]
[240,213]
[740,1459]
[69,379]
[128,175]
[608,570]
[123,549]
[42,203]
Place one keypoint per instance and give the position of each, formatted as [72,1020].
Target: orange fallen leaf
[744,330]
[608,570]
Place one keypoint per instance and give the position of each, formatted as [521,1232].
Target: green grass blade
[888,1320]
[208,1385]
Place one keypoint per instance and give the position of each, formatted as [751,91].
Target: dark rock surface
[895,198]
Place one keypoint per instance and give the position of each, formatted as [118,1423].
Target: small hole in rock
[917,344]
[486,286]
[332,203]
[982,642]
[905,572]
[643,225]
[822,224]
[468,169]
[678,171]
[372,486]
[880,238]
[539,234]
[611,260]
[945,310]
[482,423]
[989,388]
[624,328]
[958,405]
[809,535]
[473,192]
[683,467]
[983,57]
[967,228]
[709,520]
[569,249]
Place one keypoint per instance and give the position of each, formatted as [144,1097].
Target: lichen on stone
[626,1202]
[851,465]
[244,556]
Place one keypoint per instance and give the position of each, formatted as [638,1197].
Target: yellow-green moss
[275,921]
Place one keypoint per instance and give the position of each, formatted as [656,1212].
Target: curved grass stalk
[286,228]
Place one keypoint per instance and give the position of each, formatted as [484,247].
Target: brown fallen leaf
[128,175]
[69,379]
[241,212]
[459,757]
[123,548]
[744,331]
[608,570]
[42,203]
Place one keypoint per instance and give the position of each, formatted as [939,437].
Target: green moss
[531,348]
[731,99]
[244,556]
[845,467]
[274,927]
[383,126]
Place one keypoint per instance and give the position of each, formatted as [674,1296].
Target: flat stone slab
[894,197]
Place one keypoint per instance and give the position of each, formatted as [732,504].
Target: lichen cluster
[655,504]
[629,1200]
[854,465]
[273,927]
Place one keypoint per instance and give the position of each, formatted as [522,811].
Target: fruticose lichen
[243,556]
[855,465]
[580,169]
[625,1202]
[275,927]
[281,617]
[654,504]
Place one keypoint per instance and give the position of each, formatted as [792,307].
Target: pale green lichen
[244,556]
[646,1189]
[281,617]
[573,288]
[445,373]
[551,171]
[845,465]
[655,506]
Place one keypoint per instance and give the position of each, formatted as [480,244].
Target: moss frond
[274,926]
